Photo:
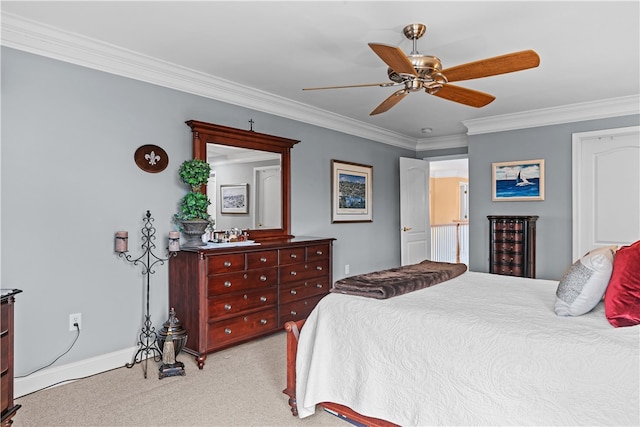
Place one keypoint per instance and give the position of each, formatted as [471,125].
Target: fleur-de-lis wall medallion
[151,158]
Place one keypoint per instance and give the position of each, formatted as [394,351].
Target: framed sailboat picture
[521,180]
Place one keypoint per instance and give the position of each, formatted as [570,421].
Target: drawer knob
[227,307]
[319,285]
[227,263]
[318,252]
[319,268]
[294,256]
[293,312]
[263,299]
[293,292]
[263,278]
[293,273]
[227,331]
[227,284]
[263,321]
[263,259]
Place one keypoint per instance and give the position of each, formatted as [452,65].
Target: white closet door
[606,188]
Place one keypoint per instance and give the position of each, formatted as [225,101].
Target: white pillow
[583,285]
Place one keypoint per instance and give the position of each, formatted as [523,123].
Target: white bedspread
[480,349]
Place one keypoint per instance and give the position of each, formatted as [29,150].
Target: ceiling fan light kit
[416,72]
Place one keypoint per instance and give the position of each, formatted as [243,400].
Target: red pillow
[622,298]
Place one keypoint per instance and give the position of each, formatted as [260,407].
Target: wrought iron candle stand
[147,346]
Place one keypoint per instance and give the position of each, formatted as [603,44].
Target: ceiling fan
[416,72]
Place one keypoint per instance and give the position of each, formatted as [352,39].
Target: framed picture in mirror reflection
[234,199]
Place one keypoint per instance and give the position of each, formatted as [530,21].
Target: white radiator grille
[443,242]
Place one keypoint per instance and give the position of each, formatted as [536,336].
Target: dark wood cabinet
[7,407]
[512,245]
[228,296]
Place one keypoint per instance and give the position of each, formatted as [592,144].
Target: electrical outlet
[346,269]
[75,318]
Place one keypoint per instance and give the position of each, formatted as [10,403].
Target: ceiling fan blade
[394,57]
[465,96]
[388,103]
[348,86]
[503,64]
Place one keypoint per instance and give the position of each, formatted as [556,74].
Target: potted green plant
[193,218]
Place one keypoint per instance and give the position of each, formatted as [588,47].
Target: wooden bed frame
[293,329]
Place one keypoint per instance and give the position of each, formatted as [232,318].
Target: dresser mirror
[253,164]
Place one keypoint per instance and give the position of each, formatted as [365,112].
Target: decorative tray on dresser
[230,295]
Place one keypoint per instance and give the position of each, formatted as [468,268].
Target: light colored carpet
[240,386]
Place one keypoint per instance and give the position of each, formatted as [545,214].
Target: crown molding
[37,38]
[442,142]
[614,107]
[40,39]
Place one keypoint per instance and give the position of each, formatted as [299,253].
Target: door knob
[406,228]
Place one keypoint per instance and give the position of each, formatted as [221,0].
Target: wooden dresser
[7,406]
[227,296]
[512,245]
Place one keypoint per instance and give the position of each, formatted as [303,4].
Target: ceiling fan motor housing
[429,73]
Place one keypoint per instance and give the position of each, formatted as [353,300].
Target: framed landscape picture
[521,180]
[234,199]
[351,192]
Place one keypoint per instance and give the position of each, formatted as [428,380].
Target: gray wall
[69,181]
[553,144]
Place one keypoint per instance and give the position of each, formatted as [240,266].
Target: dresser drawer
[508,258]
[509,236]
[304,271]
[262,259]
[234,304]
[509,225]
[241,328]
[298,309]
[317,252]
[302,290]
[243,280]
[509,270]
[225,263]
[291,255]
[508,247]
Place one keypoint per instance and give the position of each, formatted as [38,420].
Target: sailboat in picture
[522,181]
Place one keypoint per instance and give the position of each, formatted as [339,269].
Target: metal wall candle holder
[147,346]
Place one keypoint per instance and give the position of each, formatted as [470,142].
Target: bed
[477,349]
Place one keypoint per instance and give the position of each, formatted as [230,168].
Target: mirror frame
[208,133]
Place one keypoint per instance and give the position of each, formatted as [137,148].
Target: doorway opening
[449,209]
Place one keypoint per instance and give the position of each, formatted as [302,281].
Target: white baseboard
[72,371]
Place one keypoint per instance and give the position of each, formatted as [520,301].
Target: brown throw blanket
[400,280]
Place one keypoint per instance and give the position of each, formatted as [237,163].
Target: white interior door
[267,198]
[415,231]
[606,188]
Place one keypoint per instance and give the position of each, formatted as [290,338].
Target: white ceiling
[589,50]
